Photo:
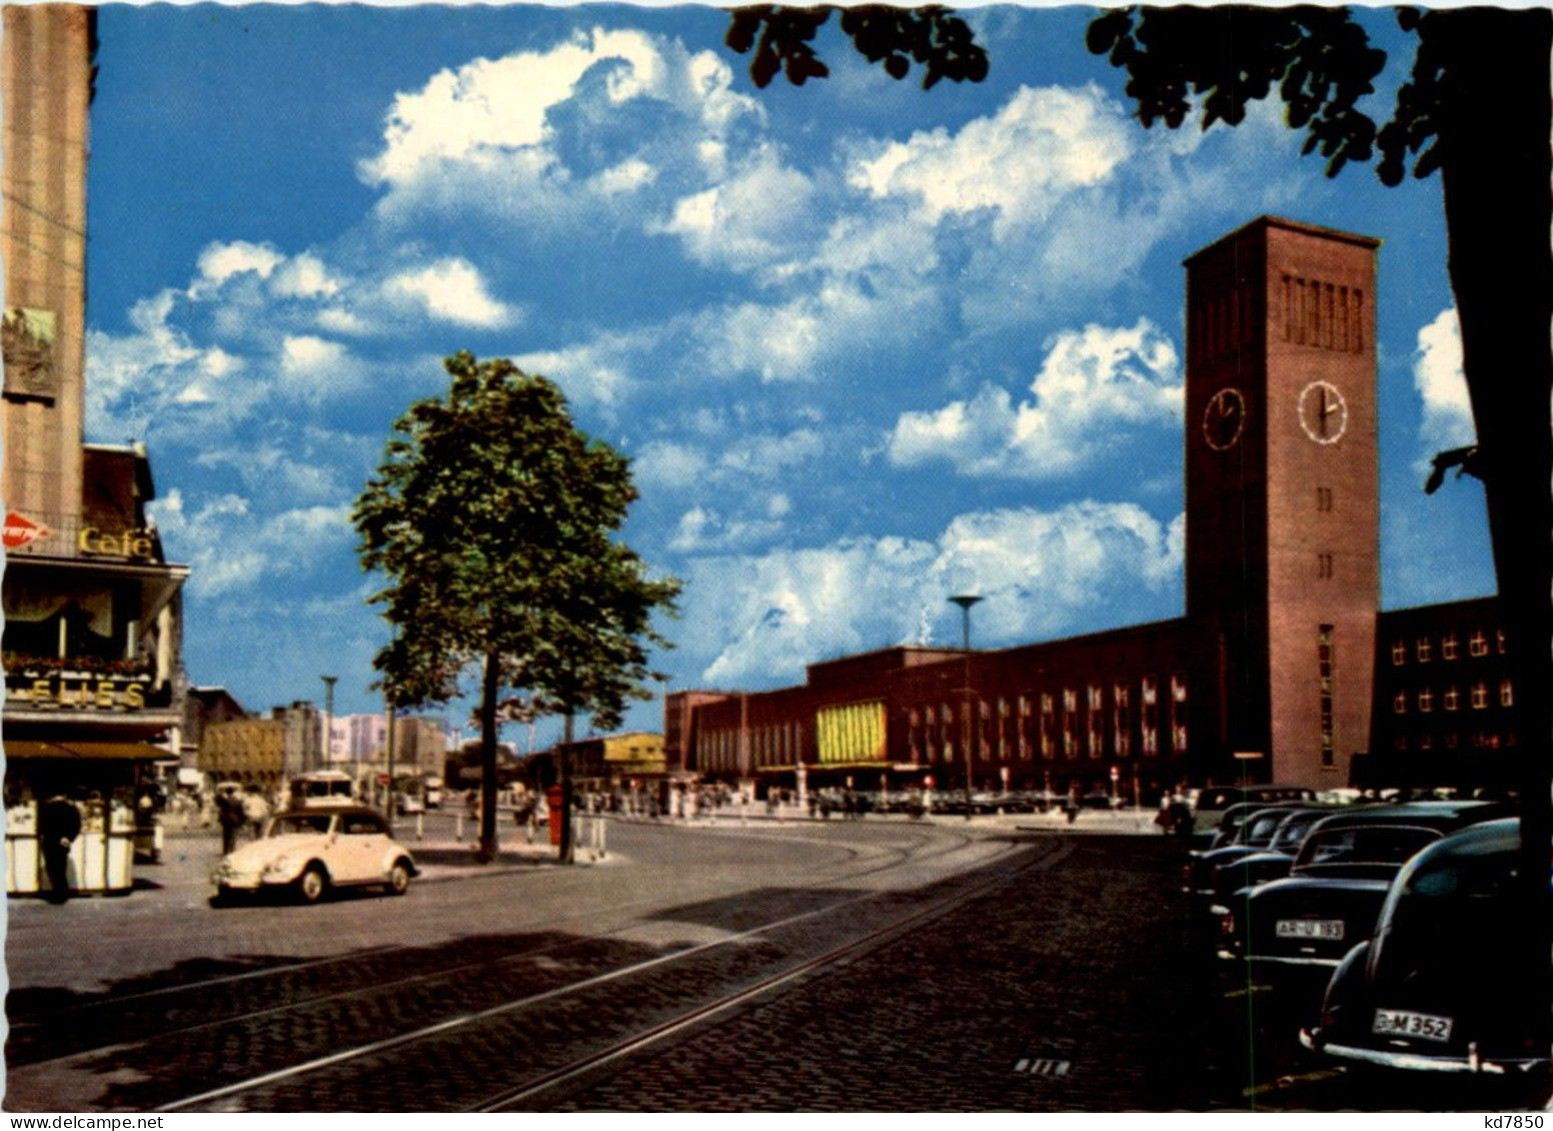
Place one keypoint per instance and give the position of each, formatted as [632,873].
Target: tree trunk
[1498,214]
[568,854]
[490,685]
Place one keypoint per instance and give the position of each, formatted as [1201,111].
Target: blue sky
[868,346]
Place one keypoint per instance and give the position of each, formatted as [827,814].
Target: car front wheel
[399,878]
[312,884]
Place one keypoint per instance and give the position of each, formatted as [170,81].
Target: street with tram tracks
[867,965]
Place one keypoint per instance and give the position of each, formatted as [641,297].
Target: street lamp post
[388,754]
[965,601]
[328,736]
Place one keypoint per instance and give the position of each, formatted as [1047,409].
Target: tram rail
[380,1054]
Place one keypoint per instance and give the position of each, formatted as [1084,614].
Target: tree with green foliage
[493,519]
[1475,109]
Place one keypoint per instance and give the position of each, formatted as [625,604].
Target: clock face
[1223,419]
[1323,412]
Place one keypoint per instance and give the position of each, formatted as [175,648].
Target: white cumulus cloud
[451,290]
[496,122]
[219,262]
[701,529]
[1040,145]
[666,463]
[1442,385]
[761,618]
[229,546]
[1097,386]
[753,220]
[304,276]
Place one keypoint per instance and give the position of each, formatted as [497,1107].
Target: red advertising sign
[20,530]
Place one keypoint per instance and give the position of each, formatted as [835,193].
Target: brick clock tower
[1282,509]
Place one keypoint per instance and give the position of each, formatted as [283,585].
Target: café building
[92,607]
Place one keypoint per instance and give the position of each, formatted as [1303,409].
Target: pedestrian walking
[59,823]
[229,815]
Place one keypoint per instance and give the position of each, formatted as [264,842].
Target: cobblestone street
[846,966]
[1063,994]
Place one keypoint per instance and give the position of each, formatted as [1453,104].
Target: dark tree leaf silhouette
[932,37]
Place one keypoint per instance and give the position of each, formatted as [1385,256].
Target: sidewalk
[1110,822]
[444,859]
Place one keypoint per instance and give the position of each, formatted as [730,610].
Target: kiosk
[103,780]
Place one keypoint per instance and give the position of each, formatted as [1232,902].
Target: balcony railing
[142,667]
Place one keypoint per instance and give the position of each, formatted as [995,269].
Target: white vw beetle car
[309,851]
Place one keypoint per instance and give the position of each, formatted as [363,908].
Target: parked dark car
[1337,883]
[1253,869]
[1213,800]
[1254,834]
[1433,989]
[1227,828]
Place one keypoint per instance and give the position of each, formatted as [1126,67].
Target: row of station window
[1425,699]
[1450,647]
[1078,728]
[1454,740]
[1032,722]
[945,749]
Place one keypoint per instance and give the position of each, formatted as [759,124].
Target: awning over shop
[29,749]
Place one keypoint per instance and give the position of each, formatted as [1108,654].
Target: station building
[1283,667]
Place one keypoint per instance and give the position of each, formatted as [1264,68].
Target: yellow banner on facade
[852,732]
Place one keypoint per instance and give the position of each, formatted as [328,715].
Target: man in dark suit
[59,823]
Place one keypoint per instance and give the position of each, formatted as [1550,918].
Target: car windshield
[1364,845]
[292,823]
[1259,830]
[1292,831]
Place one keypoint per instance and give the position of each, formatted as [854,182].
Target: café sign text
[129,544]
